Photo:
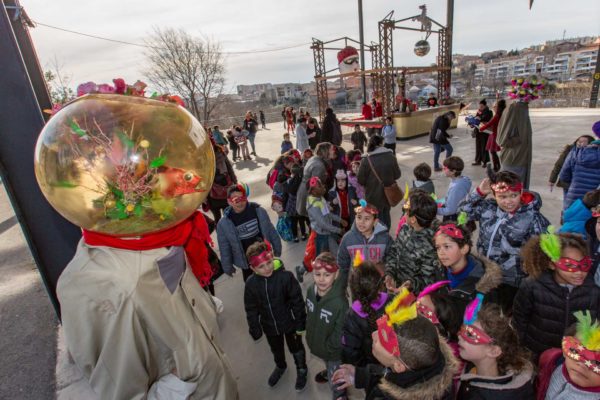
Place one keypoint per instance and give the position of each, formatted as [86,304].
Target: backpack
[272,177]
[284,228]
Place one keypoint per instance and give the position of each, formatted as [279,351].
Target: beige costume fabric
[139,326]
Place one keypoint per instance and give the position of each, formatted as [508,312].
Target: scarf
[410,378]
[191,233]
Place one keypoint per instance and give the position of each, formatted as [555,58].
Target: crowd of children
[426,314]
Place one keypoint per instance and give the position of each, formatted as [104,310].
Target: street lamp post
[362,50]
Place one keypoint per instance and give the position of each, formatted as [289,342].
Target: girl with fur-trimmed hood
[414,362]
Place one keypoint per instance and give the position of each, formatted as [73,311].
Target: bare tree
[58,83]
[191,67]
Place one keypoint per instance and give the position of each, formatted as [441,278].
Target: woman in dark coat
[224,177]
[378,168]
[313,127]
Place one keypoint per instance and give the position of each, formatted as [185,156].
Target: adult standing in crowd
[378,168]
[515,138]
[484,114]
[315,166]
[301,136]
[328,125]
[251,126]
[262,119]
[432,100]
[439,137]
[581,172]
[389,134]
[224,178]
[367,112]
[243,224]
[492,146]
[581,141]
[283,115]
[313,128]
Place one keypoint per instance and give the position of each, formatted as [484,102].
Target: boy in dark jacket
[412,256]
[274,306]
[358,139]
[367,237]
[438,136]
[326,305]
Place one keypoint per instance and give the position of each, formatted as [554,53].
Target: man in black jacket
[439,137]
[485,115]
[251,126]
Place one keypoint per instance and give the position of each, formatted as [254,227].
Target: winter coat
[353,181]
[386,166]
[367,112]
[486,115]
[290,187]
[374,249]
[274,305]
[359,140]
[491,125]
[412,257]
[301,138]
[251,126]
[582,172]
[441,123]
[575,217]
[543,309]
[433,383]
[315,166]
[328,128]
[424,185]
[501,235]
[552,382]
[324,321]
[558,167]
[230,247]
[321,218]
[356,333]
[515,139]
[350,195]
[457,191]
[314,141]
[509,386]
[286,146]
[132,317]
[484,277]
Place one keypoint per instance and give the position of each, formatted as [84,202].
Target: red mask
[320,264]
[572,348]
[428,313]
[450,230]
[473,335]
[263,257]
[238,200]
[569,265]
[387,336]
[502,187]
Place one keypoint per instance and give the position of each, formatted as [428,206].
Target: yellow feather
[593,343]
[403,314]
[358,259]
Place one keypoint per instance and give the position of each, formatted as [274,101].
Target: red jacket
[367,112]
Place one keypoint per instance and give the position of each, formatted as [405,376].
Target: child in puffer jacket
[576,216]
[412,255]
[506,222]
[559,284]
[321,218]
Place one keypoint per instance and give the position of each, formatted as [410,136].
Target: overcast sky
[479,25]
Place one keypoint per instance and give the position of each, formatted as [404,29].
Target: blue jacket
[575,218]
[582,171]
[230,246]
[457,191]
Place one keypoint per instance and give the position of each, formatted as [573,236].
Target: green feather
[158,162]
[588,332]
[550,244]
[77,129]
[462,218]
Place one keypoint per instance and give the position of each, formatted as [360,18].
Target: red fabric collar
[527,197]
[192,234]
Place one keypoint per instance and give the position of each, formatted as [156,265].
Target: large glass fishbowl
[124,165]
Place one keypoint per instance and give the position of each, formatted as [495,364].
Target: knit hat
[340,174]
[596,128]
[346,52]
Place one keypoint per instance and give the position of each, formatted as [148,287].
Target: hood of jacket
[433,388]
[379,150]
[376,305]
[577,212]
[492,277]
[508,381]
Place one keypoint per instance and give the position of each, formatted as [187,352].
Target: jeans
[321,243]
[332,366]
[299,221]
[437,149]
[391,146]
[251,137]
[384,216]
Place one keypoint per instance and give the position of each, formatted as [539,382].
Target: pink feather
[472,309]
[432,288]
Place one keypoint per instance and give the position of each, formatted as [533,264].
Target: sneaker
[475,163]
[296,240]
[276,376]
[300,273]
[304,237]
[321,377]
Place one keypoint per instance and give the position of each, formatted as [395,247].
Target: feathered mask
[422,309]
[399,311]
[469,332]
[584,347]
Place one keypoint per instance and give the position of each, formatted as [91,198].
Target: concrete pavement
[252,363]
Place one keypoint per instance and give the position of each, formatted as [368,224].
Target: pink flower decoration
[120,85]
[105,88]
[85,88]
